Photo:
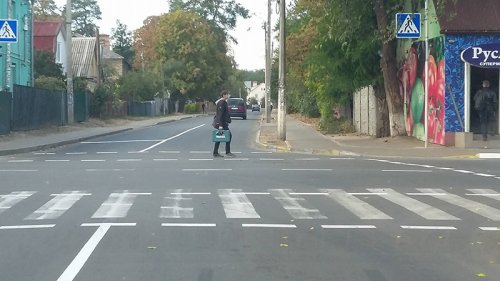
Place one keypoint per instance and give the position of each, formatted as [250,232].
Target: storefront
[464,50]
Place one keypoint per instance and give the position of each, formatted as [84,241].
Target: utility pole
[282,74]
[8,57]
[69,63]
[268,63]
[426,96]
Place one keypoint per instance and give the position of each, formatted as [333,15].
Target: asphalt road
[152,204]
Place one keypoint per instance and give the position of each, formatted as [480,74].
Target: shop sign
[485,56]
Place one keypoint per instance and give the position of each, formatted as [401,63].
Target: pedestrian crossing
[373,205]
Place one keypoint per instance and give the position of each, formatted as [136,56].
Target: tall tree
[145,41]
[223,14]
[190,39]
[122,41]
[85,13]
[46,10]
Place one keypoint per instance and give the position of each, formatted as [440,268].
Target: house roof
[45,35]
[84,56]
[470,16]
[109,54]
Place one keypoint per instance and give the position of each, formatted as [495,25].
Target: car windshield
[236,102]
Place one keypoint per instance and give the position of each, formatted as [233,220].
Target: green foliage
[45,65]
[50,83]
[85,14]
[103,94]
[188,39]
[80,85]
[191,108]
[46,10]
[253,75]
[122,41]
[138,86]
[253,100]
[337,126]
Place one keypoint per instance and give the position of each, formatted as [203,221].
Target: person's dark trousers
[484,118]
[228,144]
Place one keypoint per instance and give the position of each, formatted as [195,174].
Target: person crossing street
[221,122]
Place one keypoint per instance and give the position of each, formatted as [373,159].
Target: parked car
[237,108]
[255,107]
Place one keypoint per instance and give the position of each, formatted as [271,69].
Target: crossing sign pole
[8,35]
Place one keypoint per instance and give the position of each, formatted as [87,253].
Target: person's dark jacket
[222,117]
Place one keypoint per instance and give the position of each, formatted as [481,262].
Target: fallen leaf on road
[284,245]
[151,248]
[481,275]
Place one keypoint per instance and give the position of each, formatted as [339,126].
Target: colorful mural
[412,88]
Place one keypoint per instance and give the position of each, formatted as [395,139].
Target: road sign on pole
[408,25]
[8,31]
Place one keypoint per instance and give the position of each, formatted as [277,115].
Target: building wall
[61,51]
[367,115]
[21,52]
[455,68]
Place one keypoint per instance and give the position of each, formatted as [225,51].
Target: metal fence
[36,108]
[5,112]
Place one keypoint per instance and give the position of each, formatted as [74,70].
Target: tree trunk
[389,71]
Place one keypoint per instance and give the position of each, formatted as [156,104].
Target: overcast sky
[249,53]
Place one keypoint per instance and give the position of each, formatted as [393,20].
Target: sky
[249,53]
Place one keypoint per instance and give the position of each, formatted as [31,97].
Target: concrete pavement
[300,138]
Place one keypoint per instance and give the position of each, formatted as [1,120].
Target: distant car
[255,107]
[237,108]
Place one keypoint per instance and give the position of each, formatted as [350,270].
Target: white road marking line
[490,193]
[366,193]
[33,226]
[18,171]
[265,225]
[235,159]
[128,160]
[408,171]
[76,153]
[57,160]
[9,200]
[171,138]
[488,228]
[428,227]
[177,207]
[357,206]
[57,206]
[117,205]
[20,161]
[340,158]
[475,207]
[261,152]
[81,258]
[44,153]
[109,170]
[110,142]
[444,168]
[497,178]
[308,193]
[205,170]
[107,152]
[296,206]
[484,175]
[309,170]
[463,171]
[200,159]
[165,159]
[189,224]
[419,208]
[426,194]
[191,193]
[236,204]
[333,226]
[93,160]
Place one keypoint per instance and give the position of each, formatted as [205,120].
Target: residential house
[50,36]
[117,64]
[87,60]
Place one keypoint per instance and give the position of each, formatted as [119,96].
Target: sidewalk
[22,142]
[300,138]
[304,138]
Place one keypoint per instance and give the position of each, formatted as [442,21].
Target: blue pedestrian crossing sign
[8,31]
[408,25]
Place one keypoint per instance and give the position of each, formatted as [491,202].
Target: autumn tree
[46,10]
[190,39]
[145,41]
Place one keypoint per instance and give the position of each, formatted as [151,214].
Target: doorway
[477,76]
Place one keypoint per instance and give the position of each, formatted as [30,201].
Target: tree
[188,38]
[145,42]
[222,13]
[85,13]
[46,10]
[122,41]
[138,86]
[45,65]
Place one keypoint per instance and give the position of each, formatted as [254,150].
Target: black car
[237,108]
